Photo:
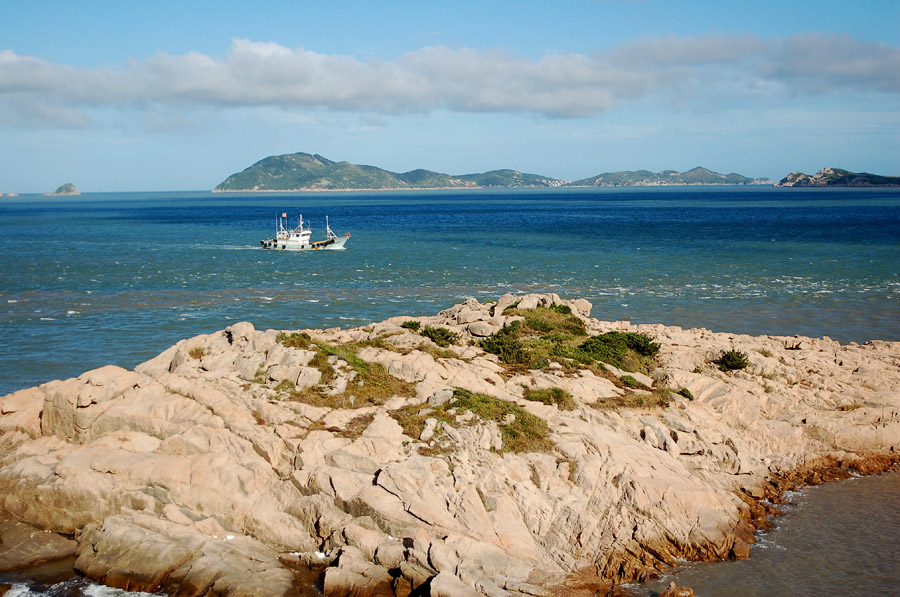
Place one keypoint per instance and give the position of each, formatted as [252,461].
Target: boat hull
[332,244]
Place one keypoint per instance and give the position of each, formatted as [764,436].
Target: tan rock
[194,475]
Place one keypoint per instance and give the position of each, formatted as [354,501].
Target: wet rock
[22,545]
[675,591]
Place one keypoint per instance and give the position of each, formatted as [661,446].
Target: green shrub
[732,360]
[686,393]
[557,396]
[411,325]
[613,347]
[609,348]
[641,344]
[505,343]
[440,336]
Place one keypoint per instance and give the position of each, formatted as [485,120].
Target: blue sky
[161,95]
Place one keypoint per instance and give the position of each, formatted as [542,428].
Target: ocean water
[117,278]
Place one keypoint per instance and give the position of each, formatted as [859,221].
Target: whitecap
[18,590]
[12,301]
[70,312]
[48,319]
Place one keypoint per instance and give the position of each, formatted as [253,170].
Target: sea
[116,278]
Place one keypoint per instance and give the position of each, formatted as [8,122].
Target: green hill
[511,178]
[306,172]
[695,176]
[302,171]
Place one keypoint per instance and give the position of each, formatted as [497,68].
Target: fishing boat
[299,238]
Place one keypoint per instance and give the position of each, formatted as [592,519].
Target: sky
[177,95]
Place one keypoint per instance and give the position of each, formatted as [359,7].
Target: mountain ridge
[313,172]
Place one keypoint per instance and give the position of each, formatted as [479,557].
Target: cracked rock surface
[231,460]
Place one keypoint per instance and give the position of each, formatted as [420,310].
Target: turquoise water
[117,278]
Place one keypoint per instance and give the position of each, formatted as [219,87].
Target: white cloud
[683,69]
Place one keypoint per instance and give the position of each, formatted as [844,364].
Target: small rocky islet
[518,447]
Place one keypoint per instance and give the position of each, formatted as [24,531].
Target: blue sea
[119,277]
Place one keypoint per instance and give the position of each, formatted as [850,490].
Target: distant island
[306,172]
[66,189]
[835,177]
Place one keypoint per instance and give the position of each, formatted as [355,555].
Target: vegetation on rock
[546,335]
[521,430]
[732,360]
[440,336]
[367,383]
[557,396]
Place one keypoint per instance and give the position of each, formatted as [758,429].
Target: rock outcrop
[64,190]
[835,177]
[232,462]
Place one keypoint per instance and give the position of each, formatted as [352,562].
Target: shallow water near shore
[117,278]
[841,538]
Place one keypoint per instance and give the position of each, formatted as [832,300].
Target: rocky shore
[422,455]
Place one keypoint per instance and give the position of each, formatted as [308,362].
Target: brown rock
[22,545]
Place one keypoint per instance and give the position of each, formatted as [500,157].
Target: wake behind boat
[299,238]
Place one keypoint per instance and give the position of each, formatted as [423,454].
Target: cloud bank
[36,92]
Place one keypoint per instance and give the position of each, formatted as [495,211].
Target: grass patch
[295,340]
[439,353]
[661,397]
[371,384]
[732,360]
[412,418]
[557,396]
[631,382]
[411,325]
[557,319]
[286,386]
[510,308]
[851,406]
[198,352]
[765,352]
[522,432]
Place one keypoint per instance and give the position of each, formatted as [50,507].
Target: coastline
[624,491]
